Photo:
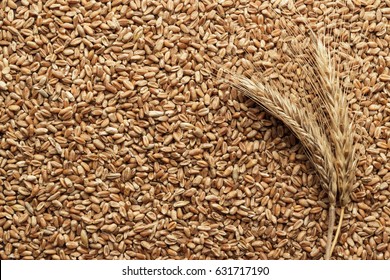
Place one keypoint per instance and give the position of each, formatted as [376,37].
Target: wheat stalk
[321,123]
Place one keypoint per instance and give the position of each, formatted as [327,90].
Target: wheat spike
[321,123]
[299,120]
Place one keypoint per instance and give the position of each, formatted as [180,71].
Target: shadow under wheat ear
[323,127]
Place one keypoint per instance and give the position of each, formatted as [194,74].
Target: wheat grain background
[118,142]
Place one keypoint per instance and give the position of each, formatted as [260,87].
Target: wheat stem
[338,230]
[331,221]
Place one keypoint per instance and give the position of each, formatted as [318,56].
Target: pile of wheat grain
[116,142]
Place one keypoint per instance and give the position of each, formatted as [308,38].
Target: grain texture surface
[118,142]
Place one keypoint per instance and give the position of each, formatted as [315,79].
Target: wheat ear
[299,120]
[324,127]
[341,132]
